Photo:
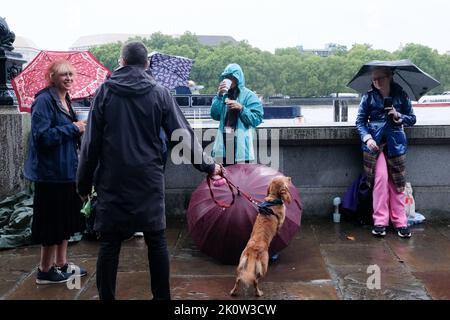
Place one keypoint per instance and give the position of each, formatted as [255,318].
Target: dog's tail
[251,268]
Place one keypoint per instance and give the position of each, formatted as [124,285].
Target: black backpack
[357,203]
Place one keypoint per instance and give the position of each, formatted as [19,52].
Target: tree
[287,71]
[108,54]
[426,59]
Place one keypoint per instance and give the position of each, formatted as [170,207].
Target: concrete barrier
[324,161]
[14,129]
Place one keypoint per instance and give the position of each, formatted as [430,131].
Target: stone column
[344,111]
[336,109]
[14,126]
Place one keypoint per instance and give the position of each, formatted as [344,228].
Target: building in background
[95,40]
[27,48]
[330,49]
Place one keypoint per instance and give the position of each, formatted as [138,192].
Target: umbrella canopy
[90,74]
[168,70]
[222,233]
[414,81]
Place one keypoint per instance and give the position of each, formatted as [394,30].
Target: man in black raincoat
[122,145]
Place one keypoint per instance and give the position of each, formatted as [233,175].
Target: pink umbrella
[220,219]
[90,75]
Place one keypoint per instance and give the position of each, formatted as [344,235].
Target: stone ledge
[347,134]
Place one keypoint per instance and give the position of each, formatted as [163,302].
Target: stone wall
[14,129]
[324,161]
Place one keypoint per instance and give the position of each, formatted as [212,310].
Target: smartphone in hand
[388,103]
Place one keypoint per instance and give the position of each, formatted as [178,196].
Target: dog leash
[231,185]
[249,197]
[216,201]
[239,192]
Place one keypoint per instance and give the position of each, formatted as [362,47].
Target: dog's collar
[274,202]
[264,207]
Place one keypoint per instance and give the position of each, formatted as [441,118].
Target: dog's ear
[285,195]
[268,190]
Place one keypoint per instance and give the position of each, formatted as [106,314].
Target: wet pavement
[325,261]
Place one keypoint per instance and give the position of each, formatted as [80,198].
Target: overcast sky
[266,24]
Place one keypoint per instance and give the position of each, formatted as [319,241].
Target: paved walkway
[324,261]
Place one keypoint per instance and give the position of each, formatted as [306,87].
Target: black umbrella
[414,81]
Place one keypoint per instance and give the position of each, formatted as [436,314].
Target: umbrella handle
[218,202]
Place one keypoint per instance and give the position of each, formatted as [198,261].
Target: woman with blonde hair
[52,164]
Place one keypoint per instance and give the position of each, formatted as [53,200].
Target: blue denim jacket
[53,141]
[373,122]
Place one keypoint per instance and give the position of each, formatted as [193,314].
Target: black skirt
[56,213]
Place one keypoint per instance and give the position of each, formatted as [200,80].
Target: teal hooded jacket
[249,118]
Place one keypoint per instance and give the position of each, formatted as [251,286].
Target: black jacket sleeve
[91,144]
[174,119]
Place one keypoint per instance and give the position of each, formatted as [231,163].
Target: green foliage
[287,71]
[108,54]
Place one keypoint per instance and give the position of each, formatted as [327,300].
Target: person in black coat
[122,145]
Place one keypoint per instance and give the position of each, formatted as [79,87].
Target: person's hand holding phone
[393,113]
[390,110]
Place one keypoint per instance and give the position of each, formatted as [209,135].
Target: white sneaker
[138,234]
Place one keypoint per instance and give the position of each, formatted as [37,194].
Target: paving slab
[396,283]
[218,288]
[436,282]
[323,261]
[27,289]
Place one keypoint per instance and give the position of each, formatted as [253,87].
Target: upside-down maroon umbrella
[90,74]
[222,232]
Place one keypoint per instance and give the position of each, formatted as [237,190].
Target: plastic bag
[88,206]
[418,218]
[410,204]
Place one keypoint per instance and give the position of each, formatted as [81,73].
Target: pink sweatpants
[387,202]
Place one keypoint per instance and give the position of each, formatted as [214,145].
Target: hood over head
[130,80]
[236,71]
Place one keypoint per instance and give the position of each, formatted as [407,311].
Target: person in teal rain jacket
[239,111]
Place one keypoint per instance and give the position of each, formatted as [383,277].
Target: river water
[424,115]
[324,116]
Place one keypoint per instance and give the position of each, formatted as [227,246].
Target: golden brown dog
[255,257]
